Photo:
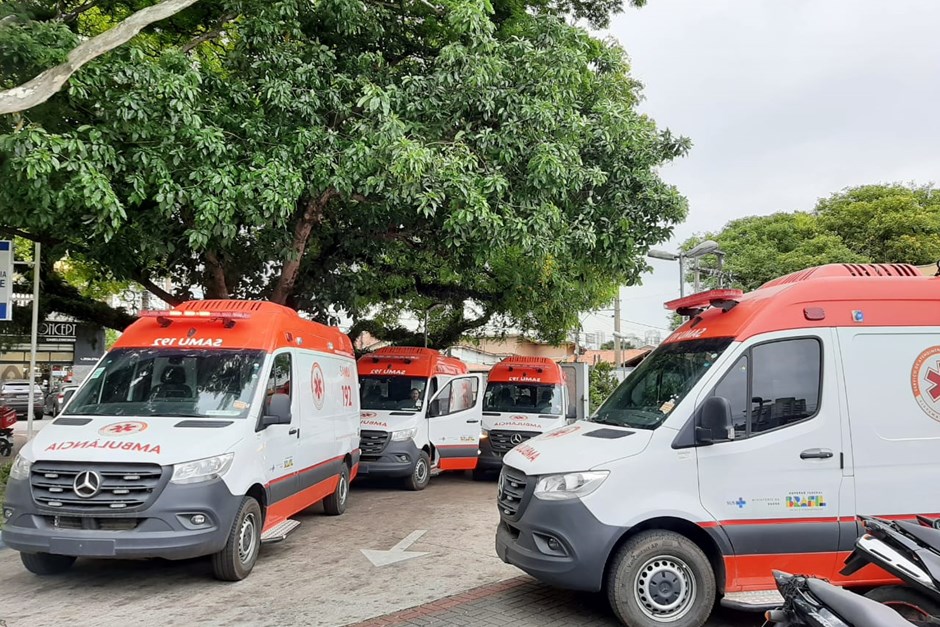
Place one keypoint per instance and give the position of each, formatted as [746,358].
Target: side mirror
[434,409]
[572,413]
[277,411]
[714,421]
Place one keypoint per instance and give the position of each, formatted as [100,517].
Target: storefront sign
[6,280]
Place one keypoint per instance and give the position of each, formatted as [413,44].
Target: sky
[785,102]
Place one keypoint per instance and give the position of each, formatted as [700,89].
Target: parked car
[15,394]
[56,400]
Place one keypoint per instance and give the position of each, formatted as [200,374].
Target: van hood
[579,446]
[163,440]
[378,420]
[510,421]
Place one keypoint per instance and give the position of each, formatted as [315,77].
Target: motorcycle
[909,551]
[7,420]
[811,602]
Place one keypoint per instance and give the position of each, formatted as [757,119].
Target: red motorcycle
[7,420]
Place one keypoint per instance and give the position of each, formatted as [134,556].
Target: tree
[602,382]
[357,157]
[868,224]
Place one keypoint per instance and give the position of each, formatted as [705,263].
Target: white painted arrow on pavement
[397,553]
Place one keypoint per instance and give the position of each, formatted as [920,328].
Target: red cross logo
[318,384]
[925,381]
[123,428]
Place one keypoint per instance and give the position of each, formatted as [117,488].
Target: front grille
[91,522]
[501,441]
[122,486]
[511,491]
[372,443]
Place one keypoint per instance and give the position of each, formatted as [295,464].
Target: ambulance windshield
[171,382]
[524,398]
[659,383]
[392,393]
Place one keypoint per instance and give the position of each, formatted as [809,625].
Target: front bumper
[163,529]
[584,543]
[397,459]
[489,459]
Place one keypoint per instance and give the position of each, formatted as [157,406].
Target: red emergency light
[697,303]
[166,318]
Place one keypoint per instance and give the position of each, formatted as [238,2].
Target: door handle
[294,432]
[816,453]
[470,422]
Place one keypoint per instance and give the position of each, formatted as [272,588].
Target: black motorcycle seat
[854,608]
[925,535]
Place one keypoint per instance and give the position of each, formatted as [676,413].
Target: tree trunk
[313,214]
[217,286]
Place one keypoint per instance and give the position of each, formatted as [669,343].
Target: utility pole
[33,342]
[617,330]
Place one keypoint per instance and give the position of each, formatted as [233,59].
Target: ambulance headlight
[570,485]
[20,468]
[404,434]
[202,469]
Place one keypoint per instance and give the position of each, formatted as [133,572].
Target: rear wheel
[335,504]
[907,602]
[661,578]
[235,561]
[420,474]
[46,563]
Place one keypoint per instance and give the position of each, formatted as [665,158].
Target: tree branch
[313,214]
[159,292]
[44,86]
[217,287]
[73,15]
[49,241]
[210,34]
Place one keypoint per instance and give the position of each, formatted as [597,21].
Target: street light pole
[617,329]
[33,342]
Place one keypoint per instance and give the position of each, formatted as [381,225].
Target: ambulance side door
[281,441]
[454,417]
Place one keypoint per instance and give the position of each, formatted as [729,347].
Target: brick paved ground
[523,602]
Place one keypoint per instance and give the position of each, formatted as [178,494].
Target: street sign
[6,280]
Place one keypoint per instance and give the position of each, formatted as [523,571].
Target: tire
[46,563]
[909,603]
[420,474]
[661,578]
[335,504]
[235,561]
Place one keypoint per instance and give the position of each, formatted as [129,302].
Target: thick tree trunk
[312,215]
[217,287]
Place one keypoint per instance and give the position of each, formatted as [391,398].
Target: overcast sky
[785,102]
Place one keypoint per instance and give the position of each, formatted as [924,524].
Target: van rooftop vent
[848,270]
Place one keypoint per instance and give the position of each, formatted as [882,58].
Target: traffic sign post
[6,280]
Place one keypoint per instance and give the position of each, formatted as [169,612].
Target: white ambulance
[749,440]
[201,432]
[526,396]
[421,414]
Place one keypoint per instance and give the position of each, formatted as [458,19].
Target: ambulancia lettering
[136,447]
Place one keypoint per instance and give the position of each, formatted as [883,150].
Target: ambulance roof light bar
[695,304]
[166,318]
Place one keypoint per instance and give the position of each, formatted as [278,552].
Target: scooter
[810,602]
[7,420]
[910,552]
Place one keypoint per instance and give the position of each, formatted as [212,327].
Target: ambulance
[749,440]
[200,433]
[525,396]
[420,414]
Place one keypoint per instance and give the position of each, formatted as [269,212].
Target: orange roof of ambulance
[834,295]
[526,370]
[407,361]
[241,324]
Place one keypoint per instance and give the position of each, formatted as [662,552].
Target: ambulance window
[280,380]
[785,383]
[733,387]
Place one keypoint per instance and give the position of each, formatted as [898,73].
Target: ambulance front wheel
[335,504]
[661,578]
[46,563]
[420,474]
[235,561]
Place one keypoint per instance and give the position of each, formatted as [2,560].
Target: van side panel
[892,381]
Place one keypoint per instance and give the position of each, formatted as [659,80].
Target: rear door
[455,422]
[774,489]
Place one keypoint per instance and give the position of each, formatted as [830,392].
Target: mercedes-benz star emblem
[516,438]
[87,484]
